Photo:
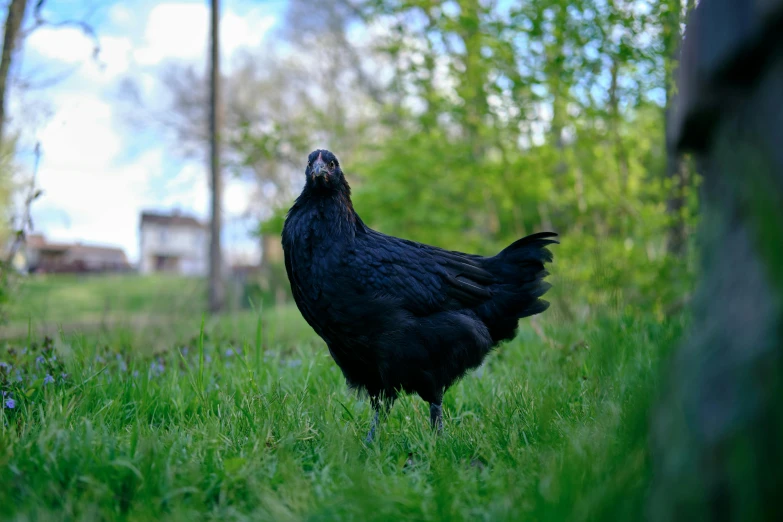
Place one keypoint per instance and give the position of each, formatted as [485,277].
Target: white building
[173,243]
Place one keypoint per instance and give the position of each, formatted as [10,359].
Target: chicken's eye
[331,165]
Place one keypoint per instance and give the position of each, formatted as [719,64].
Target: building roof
[80,249]
[35,241]
[174,219]
[77,250]
[39,242]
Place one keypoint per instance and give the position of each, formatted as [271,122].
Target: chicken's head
[323,170]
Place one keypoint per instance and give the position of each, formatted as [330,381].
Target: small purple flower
[39,360]
[135,374]
[10,404]
[229,352]
[5,366]
[63,376]
[99,359]
[207,359]
[48,379]
[185,350]
[157,368]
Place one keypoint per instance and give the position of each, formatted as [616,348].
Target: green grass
[150,312]
[554,427]
[48,304]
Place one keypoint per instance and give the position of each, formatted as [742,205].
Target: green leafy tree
[484,122]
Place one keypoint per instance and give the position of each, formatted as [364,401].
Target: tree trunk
[216,290]
[13,22]
[715,445]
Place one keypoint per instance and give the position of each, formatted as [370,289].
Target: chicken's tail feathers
[519,272]
[532,244]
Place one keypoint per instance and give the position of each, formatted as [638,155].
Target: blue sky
[97,171]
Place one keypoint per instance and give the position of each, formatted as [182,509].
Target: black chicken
[399,315]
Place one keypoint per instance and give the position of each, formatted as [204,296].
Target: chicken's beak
[319,170]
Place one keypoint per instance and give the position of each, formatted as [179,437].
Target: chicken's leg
[373,426]
[436,416]
[377,405]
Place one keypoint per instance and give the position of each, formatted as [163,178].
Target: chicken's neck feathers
[325,216]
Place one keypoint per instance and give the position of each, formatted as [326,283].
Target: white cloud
[115,55]
[190,39]
[63,44]
[163,41]
[80,136]
[70,47]
[237,31]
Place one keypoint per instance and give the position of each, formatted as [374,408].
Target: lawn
[89,301]
[149,312]
[249,419]
[69,297]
